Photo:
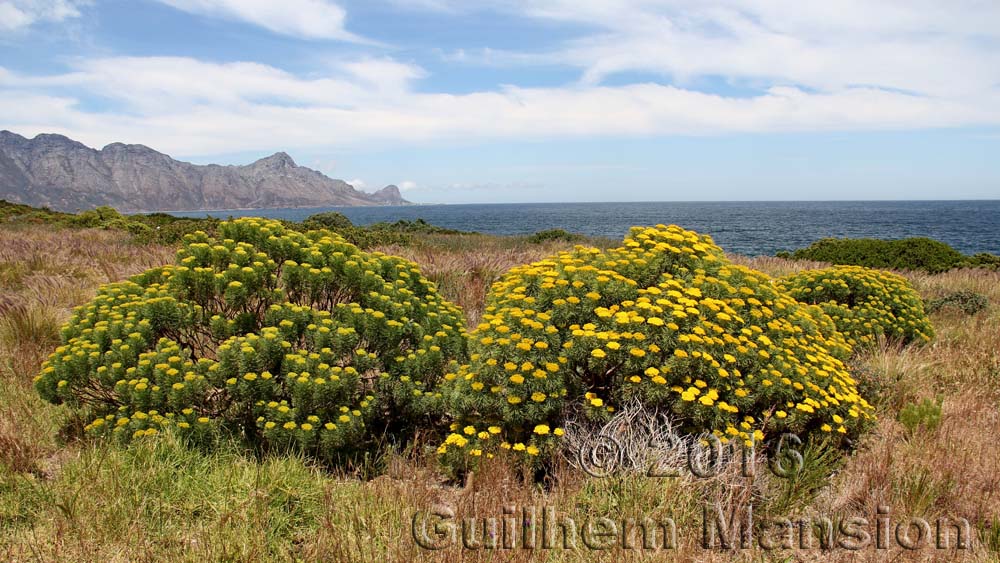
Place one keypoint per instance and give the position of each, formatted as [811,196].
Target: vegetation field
[926,452]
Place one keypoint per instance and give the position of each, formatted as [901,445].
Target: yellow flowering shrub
[665,319]
[864,303]
[283,338]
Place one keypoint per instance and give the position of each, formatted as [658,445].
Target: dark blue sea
[749,228]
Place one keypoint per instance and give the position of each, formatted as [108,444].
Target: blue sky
[548,100]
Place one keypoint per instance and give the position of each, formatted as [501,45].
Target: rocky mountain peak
[390,195]
[58,172]
[276,160]
[122,147]
[54,141]
[6,135]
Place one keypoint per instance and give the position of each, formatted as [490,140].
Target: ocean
[749,228]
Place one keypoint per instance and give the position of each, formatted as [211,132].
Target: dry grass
[43,275]
[952,471]
[464,267]
[66,500]
[776,267]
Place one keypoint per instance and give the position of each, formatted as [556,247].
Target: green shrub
[926,414]
[98,217]
[864,303]
[418,226]
[164,228]
[28,214]
[666,320]
[278,337]
[906,254]
[173,232]
[553,235]
[144,228]
[378,234]
[969,302]
[982,260]
[330,220]
[132,227]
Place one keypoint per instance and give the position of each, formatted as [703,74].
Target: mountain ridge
[58,172]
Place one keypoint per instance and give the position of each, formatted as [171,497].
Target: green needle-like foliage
[279,337]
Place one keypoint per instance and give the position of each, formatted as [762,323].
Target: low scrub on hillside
[919,253]
[279,338]
[10,211]
[164,228]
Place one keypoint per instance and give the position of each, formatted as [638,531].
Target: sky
[461,101]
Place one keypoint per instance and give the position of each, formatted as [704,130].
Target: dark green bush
[418,226]
[983,260]
[554,235]
[398,233]
[10,211]
[330,220]
[374,235]
[921,253]
[99,217]
[969,302]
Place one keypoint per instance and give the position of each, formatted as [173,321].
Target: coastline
[170,211]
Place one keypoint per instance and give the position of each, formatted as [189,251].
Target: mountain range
[57,172]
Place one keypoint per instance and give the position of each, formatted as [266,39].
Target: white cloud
[920,46]
[406,185]
[148,85]
[382,74]
[16,15]
[310,19]
[359,184]
[188,107]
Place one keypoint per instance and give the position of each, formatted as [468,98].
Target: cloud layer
[789,66]
[17,15]
[310,19]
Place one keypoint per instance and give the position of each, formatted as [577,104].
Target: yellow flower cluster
[664,318]
[283,337]
[864,303]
